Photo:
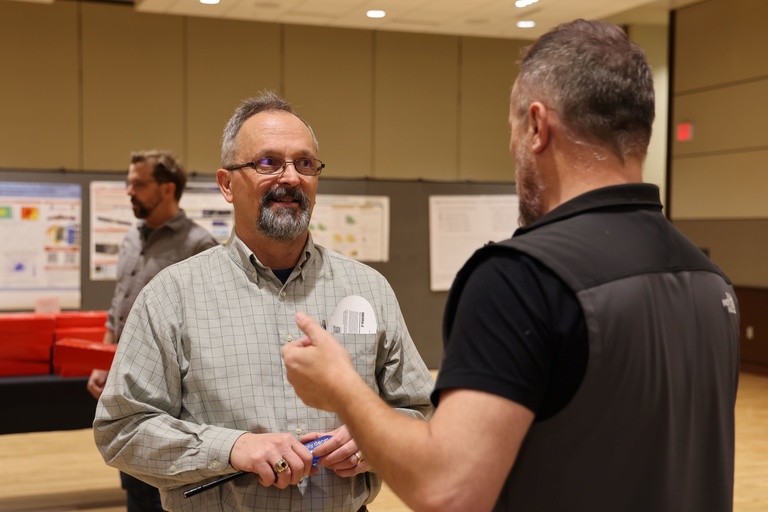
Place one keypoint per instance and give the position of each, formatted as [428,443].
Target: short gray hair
[266,101]
[596,79]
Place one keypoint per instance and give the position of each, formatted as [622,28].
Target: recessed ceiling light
[524,3]
[526,24]
[374,13]
[209,2]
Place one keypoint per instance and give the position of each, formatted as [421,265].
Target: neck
[162,214]
[276,255]
[578,172]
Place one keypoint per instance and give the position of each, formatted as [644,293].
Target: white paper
[353,315]
[459,225]
[111,218]
[204,204]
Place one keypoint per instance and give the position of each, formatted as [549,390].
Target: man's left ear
[538,117]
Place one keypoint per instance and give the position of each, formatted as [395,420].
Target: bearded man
[198,390]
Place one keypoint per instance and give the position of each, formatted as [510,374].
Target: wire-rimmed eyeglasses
[273,165]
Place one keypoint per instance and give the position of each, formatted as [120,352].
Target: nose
[289,175]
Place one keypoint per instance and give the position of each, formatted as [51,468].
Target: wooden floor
[62,471]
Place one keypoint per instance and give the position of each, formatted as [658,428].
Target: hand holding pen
[279,467]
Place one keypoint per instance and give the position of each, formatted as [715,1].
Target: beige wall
[719,179]
[40,101]
[654,40]
[86,83]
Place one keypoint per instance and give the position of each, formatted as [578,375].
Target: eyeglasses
[272,165]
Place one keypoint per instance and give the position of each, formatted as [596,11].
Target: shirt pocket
[362,349]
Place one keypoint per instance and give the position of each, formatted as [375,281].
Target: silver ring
[280,466]
[359,457]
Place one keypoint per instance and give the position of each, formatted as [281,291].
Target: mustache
[276,194]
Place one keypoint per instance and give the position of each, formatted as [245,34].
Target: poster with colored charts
[356,226]
[40,225]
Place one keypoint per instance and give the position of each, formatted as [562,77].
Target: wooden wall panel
[738,247]
[133,84]
[729,118]
[719,42]
[753,303]
[227,61]
[725,186]
[329,80]
[488,70]
[718,179]
[39,89]
[416,111]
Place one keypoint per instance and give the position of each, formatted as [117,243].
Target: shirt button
[214,464]
[288,337]
[298,431]
[282,294]
[173,467]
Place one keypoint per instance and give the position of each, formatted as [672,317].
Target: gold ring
[280,466]
[359,457]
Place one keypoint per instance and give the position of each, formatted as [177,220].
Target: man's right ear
[224,180]
[538,119]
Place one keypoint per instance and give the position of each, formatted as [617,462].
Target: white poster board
[40,253]
[204,204]
[459,225]
[111,218]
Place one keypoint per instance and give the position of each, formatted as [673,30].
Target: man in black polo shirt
[591,361]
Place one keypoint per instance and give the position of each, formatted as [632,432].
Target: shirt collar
[248,261]
[174,224]
[633,195]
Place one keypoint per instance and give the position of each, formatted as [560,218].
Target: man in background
[164,235]
[198,390]
[591,361]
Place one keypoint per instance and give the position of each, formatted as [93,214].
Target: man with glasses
[198,390]
[163,236]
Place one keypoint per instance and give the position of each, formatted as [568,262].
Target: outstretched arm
[473,437]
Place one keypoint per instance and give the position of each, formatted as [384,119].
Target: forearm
[388,438]
[163,451]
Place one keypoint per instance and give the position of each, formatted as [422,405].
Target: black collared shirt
[518,330]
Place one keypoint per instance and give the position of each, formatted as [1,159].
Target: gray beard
[281,225]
